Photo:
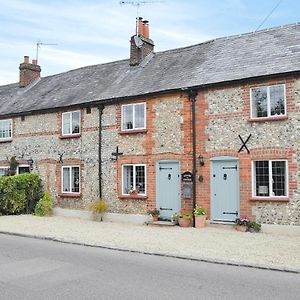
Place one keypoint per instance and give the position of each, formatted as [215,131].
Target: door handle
[165,208]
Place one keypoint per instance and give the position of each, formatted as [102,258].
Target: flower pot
[200,221]
[241,228]
[185,222]
[155,218]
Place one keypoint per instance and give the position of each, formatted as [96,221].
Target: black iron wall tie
[116,154]
[244,144]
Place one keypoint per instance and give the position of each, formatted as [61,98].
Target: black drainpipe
[100,108]
[192,96]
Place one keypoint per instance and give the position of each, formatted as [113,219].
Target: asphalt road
[39,269]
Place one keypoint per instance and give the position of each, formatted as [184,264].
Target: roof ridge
[231,37]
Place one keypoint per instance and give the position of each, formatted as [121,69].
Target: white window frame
[3,168]
[133,117]
[134,177]
[70,182]
[268,101]
[270,179]
[11,129]
[71,120]
[22,166]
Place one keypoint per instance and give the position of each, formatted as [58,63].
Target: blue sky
[91,32]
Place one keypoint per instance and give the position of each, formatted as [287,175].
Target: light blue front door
[167,187]
[224,180]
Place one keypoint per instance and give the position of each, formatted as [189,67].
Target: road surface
[40,269]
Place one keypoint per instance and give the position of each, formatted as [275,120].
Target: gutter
[100,109]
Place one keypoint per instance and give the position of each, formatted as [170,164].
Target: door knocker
[169,176]
[225,176]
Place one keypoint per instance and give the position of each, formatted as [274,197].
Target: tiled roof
[261,53]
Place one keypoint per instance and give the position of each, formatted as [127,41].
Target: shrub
[97,207]
[19,194]
[44,206]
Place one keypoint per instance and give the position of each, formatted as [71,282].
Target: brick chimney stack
[140,44]
[29,72]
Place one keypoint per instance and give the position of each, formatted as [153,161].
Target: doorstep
[161,224]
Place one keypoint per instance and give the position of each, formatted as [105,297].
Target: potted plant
[200,217]
[254,227]
[185,218]
[98,208]
[242,224]
[154,213]
[175,218]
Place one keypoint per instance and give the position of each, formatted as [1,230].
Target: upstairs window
[71,180]
[268,101]
[270,178]
[5,130]
[133,116]
[134,179]
[71,123]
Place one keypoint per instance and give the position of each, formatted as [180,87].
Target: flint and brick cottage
[215,124]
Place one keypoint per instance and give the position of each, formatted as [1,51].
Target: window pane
[259,102]
[3,171]
[127,179]
[24,169]
[140,116]
[75,179]
[262,178]
[277,100]
[5,129]
[127,117]
[66,179]
[66,123]
[278,178]
[140,179]
[75,122]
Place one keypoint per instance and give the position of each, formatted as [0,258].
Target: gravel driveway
[216,244]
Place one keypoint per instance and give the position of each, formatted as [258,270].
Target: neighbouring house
[215,124]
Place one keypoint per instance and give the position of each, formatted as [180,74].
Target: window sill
[133,131]
[6,140]
[270,199]
[142,197]
[70,136]
[267,119]
[70,195]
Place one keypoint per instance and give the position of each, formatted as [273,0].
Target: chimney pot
[146,29]
[140,29]
[34,62]
[26,59]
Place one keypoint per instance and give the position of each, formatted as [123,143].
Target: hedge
[19,194]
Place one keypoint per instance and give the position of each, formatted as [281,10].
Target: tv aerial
[138,4]
[38,45]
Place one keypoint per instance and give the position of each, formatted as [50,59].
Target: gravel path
[220,244]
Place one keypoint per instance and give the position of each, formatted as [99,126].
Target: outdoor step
[161,223]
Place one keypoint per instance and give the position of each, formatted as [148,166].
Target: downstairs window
[270,178]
